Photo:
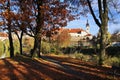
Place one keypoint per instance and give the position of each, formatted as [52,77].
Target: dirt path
[52,68]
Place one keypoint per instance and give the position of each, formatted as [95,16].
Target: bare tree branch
[93,14]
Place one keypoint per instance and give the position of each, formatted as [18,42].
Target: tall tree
[101,18]
[51,14]
[21,20]
[7,14]
[40,25]
[46,15]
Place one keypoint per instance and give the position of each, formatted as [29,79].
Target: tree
[63,39]
[101,18]
[33,17]
[22,20]
[6,16]
[47,16]
[40,25]
[30,21]
[19,36]
[13,21]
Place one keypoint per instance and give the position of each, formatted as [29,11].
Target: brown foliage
[63,38]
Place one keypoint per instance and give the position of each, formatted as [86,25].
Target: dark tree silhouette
[6,16]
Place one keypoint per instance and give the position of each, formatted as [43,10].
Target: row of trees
[33,17]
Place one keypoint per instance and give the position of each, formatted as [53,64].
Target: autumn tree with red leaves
[35,18]
[63,38]
[7,19]
[47,16]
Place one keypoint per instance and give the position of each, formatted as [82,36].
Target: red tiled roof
[74,30]
[77,30]
[2,34]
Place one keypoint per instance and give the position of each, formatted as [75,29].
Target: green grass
[108,61]
[1,48]
[4,48]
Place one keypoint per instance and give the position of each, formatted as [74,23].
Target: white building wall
[3,38]
[83,33]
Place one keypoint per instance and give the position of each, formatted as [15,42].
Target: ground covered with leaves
[53,68]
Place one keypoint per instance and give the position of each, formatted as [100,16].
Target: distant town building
[77,35]
[3,36]
[87,27]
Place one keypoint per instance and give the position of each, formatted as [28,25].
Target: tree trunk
[11,44]
[36,48]
[20,42]
[40,24]
[102,47]
[103,37]
[103,25]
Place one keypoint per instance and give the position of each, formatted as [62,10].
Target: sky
[93,27]
[81,23]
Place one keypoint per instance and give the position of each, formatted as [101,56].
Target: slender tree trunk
[11,44]
[103,25]
[9,31]
[20,42]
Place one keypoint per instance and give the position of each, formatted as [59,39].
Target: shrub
[112,61]
[45,47]
[80,56]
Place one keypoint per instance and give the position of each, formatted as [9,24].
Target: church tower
[87,27]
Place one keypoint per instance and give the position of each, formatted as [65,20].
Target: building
[81,37]
[78,35]
[3,36]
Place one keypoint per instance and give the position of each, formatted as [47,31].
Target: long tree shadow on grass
[17,71]
[98,72]
[23,68]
